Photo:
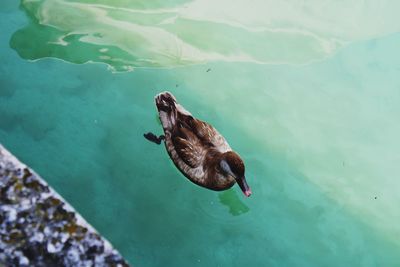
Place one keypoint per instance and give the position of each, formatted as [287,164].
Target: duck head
[232,165]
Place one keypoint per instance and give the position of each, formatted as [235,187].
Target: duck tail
[169,110]
[166,105]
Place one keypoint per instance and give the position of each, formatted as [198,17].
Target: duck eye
[225,167]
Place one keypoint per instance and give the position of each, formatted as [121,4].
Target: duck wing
[209,135]
[191,137]
[189,147]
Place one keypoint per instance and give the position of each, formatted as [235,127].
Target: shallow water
[319,135]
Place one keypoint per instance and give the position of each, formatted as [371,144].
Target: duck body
[197,149]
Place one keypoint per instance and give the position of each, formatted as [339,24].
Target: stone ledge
[39,228]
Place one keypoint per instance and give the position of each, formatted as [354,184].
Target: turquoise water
[318,131]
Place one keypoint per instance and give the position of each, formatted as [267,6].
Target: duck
[197,149]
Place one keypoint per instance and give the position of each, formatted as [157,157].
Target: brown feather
[190,150]
[195,147]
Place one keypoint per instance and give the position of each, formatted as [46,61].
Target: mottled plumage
[197,149]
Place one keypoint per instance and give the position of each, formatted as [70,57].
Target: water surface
[318,131]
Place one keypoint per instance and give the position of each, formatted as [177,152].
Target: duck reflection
[230,199]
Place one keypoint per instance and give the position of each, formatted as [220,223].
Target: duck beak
[244,186]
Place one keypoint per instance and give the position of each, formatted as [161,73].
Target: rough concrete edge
[10,158]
